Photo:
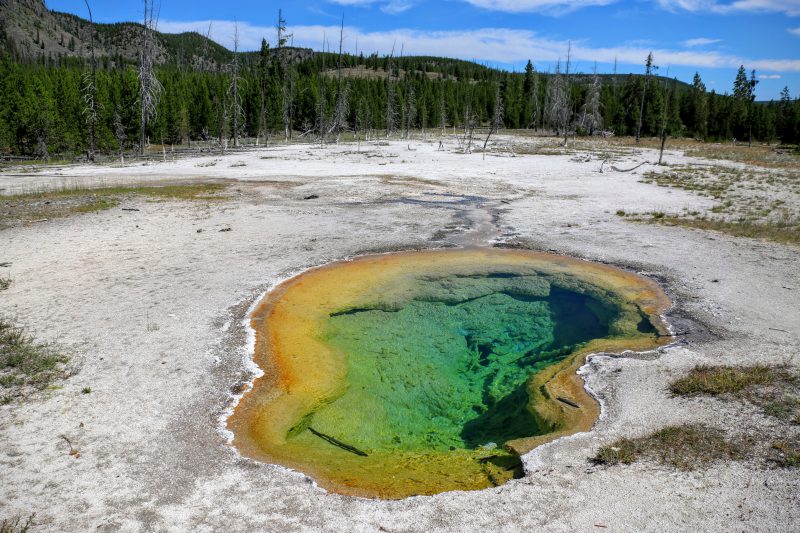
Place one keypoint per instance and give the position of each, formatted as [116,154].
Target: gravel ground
[152,303]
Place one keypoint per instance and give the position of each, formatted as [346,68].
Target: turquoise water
[448,369]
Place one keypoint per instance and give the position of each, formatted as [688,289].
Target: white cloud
[699,41]
[558,7]
[499,45]
[769,77]
[789,7]
[550,7]
[392,7]
[794,31]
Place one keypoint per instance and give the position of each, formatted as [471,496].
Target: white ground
[153,309]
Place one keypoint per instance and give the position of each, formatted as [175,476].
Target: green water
[447,369]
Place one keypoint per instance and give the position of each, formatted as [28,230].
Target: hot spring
[418,373]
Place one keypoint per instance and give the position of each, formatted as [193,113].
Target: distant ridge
[31,32]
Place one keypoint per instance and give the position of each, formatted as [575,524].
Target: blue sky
[710,36]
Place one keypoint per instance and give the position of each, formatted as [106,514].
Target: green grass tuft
[35,206]
[685,447]
[16,525]
[26,363]
[622,451]
[786,453]
[754,230]
[722,379]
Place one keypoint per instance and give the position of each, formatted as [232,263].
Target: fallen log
[336,442]
[615,169]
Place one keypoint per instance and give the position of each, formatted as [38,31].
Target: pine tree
[263,83]
[785,125]
[699,107]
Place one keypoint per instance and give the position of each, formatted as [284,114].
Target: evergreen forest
[50,107]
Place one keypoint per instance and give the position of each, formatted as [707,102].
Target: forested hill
[30,32]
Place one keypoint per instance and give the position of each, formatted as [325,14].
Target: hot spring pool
[417,373]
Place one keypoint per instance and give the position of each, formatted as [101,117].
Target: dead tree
[221,105]
[341,108]
[470,122]
[234,89]
[591,118]
[287,79]
[281,27]
[391,104]
[359,126]
[442,108]
[410,108]
[90,88]
[648,69]
[219,98]
[119,133]
[290,94]
[567,90]
[340,112]
[556,111]
[664,119]
[263,83]
[497,117]
[322,107]
[535,112]
[150,89]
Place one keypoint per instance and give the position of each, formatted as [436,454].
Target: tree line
[75,106]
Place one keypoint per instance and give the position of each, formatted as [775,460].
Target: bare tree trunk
[119,133]
[410,110]
[497,118]
[648,66]
[91,94]
[442,109]
[536,112]
[591,117]
[664,115]
[567,95]
[233,88]
[391,111]
[469,126]
[322,107]
[340,110]
[264,126]
[150,88]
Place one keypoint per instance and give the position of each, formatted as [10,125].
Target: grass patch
[685,447]
[189,191]
[773,389]
[26,364]
[43,205]
[752,202]
[786,409]
[786,453]
[715,380]
[784,235]
[623,451]
[762,156]
[16,525]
